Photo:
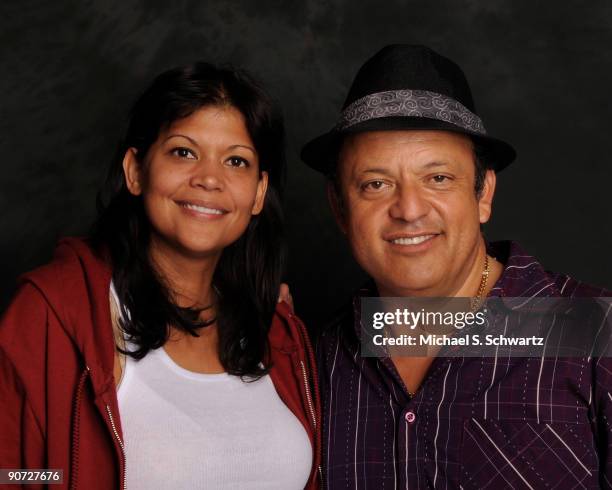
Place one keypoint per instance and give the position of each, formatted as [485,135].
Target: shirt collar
[523,275]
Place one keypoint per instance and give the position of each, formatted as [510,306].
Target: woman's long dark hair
[248,274]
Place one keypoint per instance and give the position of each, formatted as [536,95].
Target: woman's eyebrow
[232,147]
[194,142]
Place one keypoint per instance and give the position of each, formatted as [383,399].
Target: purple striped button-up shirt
[475,422]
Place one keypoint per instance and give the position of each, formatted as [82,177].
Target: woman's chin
[201,250]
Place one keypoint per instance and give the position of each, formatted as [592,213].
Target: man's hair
[482,163]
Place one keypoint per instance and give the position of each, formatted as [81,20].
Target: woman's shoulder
[75,265]
[287,330]
[68,296]
[76,279]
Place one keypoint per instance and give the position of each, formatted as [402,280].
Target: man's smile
[414,240]
[411,242]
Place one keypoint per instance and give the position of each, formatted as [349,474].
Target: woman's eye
[184,153]
[237,162]
[374,185]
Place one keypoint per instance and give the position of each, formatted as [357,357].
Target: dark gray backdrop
[541,73]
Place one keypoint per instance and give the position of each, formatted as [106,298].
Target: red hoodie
[57,391]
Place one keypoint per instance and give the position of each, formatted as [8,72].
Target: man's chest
[471,421]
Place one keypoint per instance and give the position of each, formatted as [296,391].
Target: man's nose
[410,203]
[208,175]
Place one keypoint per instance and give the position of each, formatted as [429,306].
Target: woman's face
[200,182]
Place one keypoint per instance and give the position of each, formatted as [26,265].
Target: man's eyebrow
[435,164]
[386,171]
[376,170]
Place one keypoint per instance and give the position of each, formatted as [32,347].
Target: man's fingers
[285,295]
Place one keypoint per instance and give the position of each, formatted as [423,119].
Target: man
[412,176]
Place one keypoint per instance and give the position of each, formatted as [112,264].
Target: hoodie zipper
[308,396]
[112,421]
[310,407]
[311,412]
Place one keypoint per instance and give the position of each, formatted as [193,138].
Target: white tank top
[186,430]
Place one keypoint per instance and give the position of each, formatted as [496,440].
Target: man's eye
[237,162]
[184,153]
[438,179]
[374,185]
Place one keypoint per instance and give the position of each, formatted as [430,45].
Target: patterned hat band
[410,103]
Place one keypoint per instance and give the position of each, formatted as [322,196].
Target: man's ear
[132,172]
[337,205]
[485,203]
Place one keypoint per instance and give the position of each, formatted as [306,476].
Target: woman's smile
[202,209]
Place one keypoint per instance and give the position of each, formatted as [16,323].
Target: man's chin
[407,285]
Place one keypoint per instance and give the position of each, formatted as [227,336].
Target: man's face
[410,211]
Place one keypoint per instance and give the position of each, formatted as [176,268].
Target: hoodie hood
[76,286]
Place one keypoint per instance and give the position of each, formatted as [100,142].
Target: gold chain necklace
[476,301]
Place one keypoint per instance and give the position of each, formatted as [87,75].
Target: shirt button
[410,417]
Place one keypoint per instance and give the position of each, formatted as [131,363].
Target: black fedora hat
[407,87]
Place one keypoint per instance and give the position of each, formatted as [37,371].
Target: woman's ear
[260,196]
[131,172]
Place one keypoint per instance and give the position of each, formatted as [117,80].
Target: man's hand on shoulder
[285,295]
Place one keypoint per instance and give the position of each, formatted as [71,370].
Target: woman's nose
[208,176]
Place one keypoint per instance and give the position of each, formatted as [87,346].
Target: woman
[155,354]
